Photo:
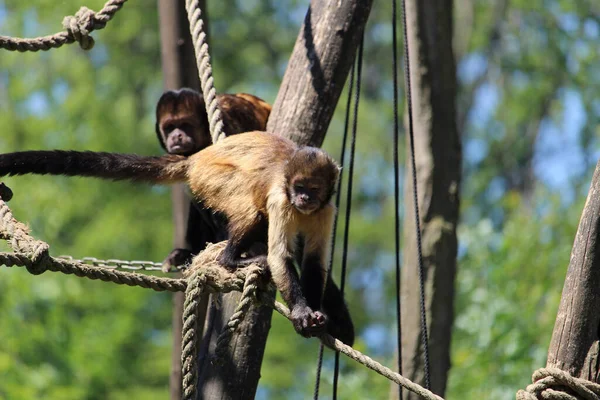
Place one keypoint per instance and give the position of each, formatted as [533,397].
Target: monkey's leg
[242,235]
[340,324]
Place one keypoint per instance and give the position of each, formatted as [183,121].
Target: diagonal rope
[336,370]
[363,359]
[396,192]
[424,335]
[77,29]
[204,69]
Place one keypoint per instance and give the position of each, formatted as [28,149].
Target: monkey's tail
[162,170]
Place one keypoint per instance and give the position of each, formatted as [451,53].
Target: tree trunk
[438,164]
[325,46]
[179,70]
[575,341]
[319,65]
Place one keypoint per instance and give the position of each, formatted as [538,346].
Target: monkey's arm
[306,321]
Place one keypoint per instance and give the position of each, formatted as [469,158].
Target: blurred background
[528,113]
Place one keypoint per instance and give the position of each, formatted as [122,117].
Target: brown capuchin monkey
[182,128]
[270,190]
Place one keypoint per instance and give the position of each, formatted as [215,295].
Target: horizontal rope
[77,29]
[204,274]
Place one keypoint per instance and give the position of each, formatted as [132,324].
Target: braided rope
[204,69]
[33,254]
[246,300]
[556,384]
[190,340]
[77,29]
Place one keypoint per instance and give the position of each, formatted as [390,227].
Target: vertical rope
[424,335]
[396,193]
[349,200]
[335,220]
[189,359]
[204,69]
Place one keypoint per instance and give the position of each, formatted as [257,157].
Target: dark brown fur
[182,128]
[245,177]
[183,113]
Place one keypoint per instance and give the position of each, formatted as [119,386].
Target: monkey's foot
[307,322]
[176,258]
[5,193]
[234,264]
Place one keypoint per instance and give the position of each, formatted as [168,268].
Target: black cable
[424,335]
[396,192]
[335,220]
[336,370]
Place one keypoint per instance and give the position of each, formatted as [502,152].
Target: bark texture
[325,48]
[438,167]
[575,341]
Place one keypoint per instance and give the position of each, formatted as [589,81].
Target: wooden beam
[575,340]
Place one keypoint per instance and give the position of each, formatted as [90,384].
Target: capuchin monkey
[182,122]
[270,190]
[182,128]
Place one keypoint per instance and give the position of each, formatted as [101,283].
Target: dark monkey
[270,189]
[182,128]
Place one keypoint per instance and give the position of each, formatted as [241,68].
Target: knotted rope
[248,297]
[556,384]
[77,29]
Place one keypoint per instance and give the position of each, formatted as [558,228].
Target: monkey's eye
[187,127]
[314,188]
[168,128]
[298,186]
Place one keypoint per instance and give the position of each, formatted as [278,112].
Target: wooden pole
[575,340]
[179,70]
[312,84]
[438,168]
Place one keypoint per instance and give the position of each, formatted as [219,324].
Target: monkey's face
[181,123]
[307,194]
[311,178]
[182,137]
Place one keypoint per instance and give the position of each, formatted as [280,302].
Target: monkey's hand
[307,322]
[176,258]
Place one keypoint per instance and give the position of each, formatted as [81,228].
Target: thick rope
[77,29]
[204,69]
[556,384]
[248,297]
[204,276]
[189,360]
[84,271]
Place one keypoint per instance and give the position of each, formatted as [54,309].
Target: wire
[336,370]
[396,192]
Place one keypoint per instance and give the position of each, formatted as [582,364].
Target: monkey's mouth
[306,207]
[180,148]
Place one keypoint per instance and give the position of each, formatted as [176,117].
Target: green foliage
[524,91]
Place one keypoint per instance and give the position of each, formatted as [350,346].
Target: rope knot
[554,383]
[80,26]
[40,258]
